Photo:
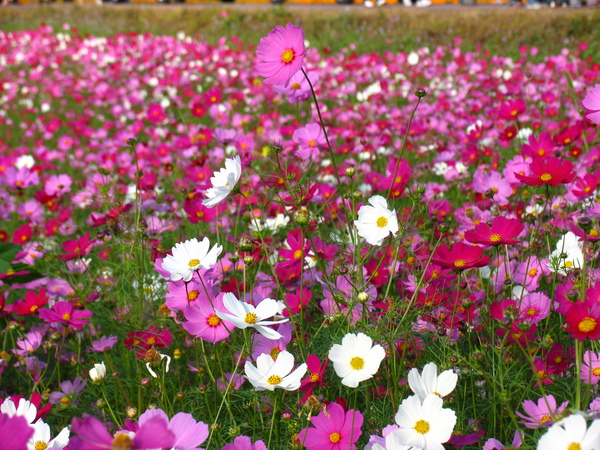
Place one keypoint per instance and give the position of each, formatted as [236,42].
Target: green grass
[392,28]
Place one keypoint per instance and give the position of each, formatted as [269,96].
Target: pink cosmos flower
[502,231]
[541,147]
[494,182]
[203,322]
[591,103]
[15,431]
[298,89]
[188,433]
[590,367]
[245,443]
[334,429]
[91,434]
[281,53]
[548,171]
[542,414]
[309,138]
[58,184]
[63,312]
[534,307]
[511,109]
[460,256]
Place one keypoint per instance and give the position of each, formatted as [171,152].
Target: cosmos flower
[356,359]
[376,222]
[502,231]
[244,315]
[280,53]
[429,382]
[190,256]
[591,103]
[333,429]
[550,171]
[223,182]
[571,433]
[270,374]
[424,425]
[461,256]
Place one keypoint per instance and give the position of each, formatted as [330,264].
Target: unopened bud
[420,92]
[302,216]
[131,412]
[350,171]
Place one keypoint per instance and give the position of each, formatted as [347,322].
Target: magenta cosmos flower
[460,256]
[188,433]
[281,53]
[63,312]
[502,231]
[591,103]
[91,434]
[334,429]
[551,170]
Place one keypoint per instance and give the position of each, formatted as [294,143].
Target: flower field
[269,245]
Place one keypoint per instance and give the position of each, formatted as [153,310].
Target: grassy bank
[389,28]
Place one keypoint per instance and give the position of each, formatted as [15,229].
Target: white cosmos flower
[190,256]
[567,256]
[424,425]
[269,374]
[223,182]
[23,408]
[244,315]
[430,383]
[356,359]
[98,372]
[571,433]
[376,222]
[42,439]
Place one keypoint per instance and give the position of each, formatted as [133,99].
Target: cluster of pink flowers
[392,219]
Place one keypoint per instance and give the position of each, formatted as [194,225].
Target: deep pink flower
[551,171]
[511,109]
[334,429]
[15,431]
[461,256]
[502,231]
[91,434]
[76,248]
[316,376]
[541,147]
[281,53]
[591,103]
[63,312]
[202,321]
[583,321]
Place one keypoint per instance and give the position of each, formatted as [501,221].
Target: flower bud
[302,216]
[98,373]
[131,412]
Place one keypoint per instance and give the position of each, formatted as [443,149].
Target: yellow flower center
[287,56]
[541,152]
[295,86]
[460,263]
[274,353]
[545,418]
[298,254]
[274,379]
[495,237]
[311,143]
[531,312]
[596,371]
[66,316]
[422,426]
[122,442]
[314,377]
[357,363]
[151,340]
[568,264]
[574,446]
[213,320]
[593,232]
[193,263]
[532,272]
[541,374]
[33,308]
[587,325]
[381,222]
[193,295]
[546,177]
[334,438]
[250,318]
[40,445]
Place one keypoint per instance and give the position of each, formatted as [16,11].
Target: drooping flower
[357,359]
[591,103]
[376,222]
[270,374]
[429,382]
[280,53]
[190,256]
[244,315]
[571,433]
[333,429]
[223,182]
[425,425]
[502,231]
